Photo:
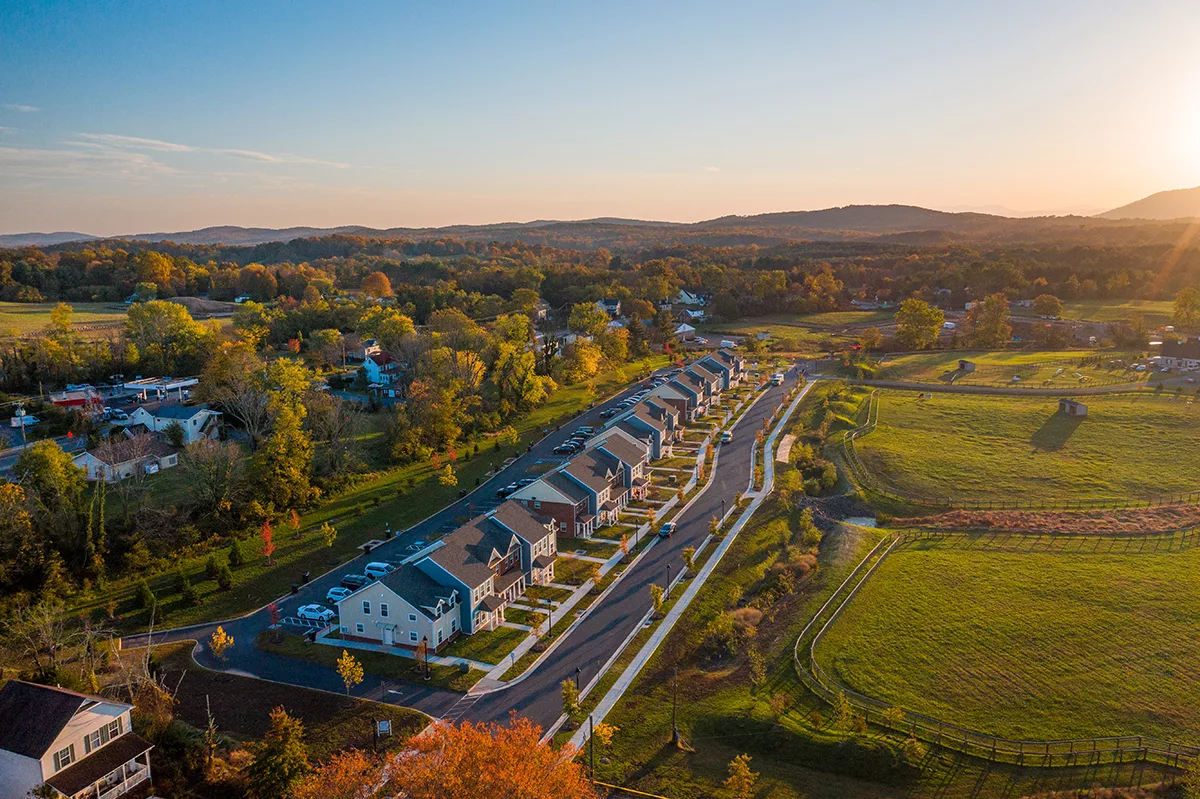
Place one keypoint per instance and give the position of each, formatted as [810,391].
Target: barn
[966,366]
[1072,407]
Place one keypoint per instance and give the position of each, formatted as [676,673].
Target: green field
[1063,369]
[1076,638]
[24,317]
[1018,449]
[1154,312]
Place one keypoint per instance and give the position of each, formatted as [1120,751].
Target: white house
[686,297]
[197,421]
[1184,355]
[121,459]
[381,368]
[78,745]
[685,332]
[610,307]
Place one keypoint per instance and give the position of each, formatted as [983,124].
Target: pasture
[1154,312]
[26,318]
[1022,449]
[1030,638]
[1030,369]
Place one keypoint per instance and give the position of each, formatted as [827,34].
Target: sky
[127,117]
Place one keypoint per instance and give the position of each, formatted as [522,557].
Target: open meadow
[1030,638]
[1030,369]
[26,318]
[978,448]
[1153,312]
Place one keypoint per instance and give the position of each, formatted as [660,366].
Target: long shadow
[1056,431]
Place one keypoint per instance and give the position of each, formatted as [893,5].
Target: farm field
[26,318]
[1063,369]
[1154,312]
[1018,449]
[1079,637]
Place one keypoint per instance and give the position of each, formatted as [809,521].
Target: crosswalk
[461,707]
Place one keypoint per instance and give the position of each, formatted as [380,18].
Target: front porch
[109,772]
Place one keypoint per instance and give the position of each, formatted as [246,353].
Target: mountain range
[888,223]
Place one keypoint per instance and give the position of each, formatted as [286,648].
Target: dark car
[564,449]
[608,413]
[508,490]
[355,581]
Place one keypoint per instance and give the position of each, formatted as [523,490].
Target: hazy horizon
[133,118]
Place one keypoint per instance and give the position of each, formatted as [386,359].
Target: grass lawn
[1081,639]
[400,497]
[25,317]
[1155,312]
[597,549]
[982,448]
[522,616]
[380,664]
[241,707]
[572,570]
[489,647]
[1063,369]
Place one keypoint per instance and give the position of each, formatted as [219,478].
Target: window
[439,636]
[366,608]
[412,617]
[537,503]
[453,625]
[64,757]
[359,628]
[102,736]
[412,636]
[383,609]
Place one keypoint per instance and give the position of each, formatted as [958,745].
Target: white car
[337,594]
[378,568]
[315,613]
[727,437]
[777,378]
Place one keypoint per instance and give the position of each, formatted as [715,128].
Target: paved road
[9,456]
[587,647]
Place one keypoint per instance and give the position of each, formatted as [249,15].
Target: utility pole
[676,739]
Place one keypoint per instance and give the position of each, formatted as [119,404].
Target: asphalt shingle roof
[173,410]
[32,716]
[624,450]
[572,489]
[415,587]
[521,521]
[593,469]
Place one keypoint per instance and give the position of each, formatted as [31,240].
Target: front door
[389,637]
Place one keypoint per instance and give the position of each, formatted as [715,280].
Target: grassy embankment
[1060,369]
[985,448]
[1030,640]
[1154,312]
[399,496]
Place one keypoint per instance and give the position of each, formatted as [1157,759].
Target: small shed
[1072,407]
[966,366]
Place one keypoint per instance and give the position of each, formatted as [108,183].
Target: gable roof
[468,551]
[571,489]
[706,374]
[34,715]
[620,447]
[416,587]
[594,469]
[130,449]
[670,391]
[173,410]
[527,525]
[730,357]
[1174,348]
[713,364]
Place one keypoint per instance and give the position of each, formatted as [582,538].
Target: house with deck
[632,454]
[66,744]
[197,421]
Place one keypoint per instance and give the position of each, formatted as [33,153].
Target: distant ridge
[42,239]
[1163,206]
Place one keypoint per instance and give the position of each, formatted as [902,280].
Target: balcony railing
[131,780]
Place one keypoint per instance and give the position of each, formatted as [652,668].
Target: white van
[23,421]
[777,378]
[377,568]
[727,344]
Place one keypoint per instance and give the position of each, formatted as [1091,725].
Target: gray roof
[528,526]
[707,374]
[660,410]
[466,552]
[416,587]
[173,410]
[574,491]
[622,449]
[686,390]
[593,468]
[731,357]
[714,365]
[34,715]
[1174,348]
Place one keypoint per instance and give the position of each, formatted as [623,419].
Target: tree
[167,338]
[236,556]
[1187,315]
[41,632]
[570,697]
[689,558]
[810,535]
[1047,305]
[216,474]
[604,733]
[988,322]
[725,307]
[225,578]
[268,540]
[740,782]
[52,481]
[918,324]
[328,534]
[894,716]
[587,319]
[258,282]
[870,339]
[376,285]
[350,670]
[447,477]
[580,360]
[144,595]
[220,642]
[282,466]
[348,774]
[236,379]
[281,761]
[656,597]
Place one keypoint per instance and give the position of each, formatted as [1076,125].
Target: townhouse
[61,743]
[632,455]
[562,499]
[458,584]
[711,381]
[730,366]
[655,420]
[601,476]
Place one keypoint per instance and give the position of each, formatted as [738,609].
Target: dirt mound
[1138,521]
[201,309]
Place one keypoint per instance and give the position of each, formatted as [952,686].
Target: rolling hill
[1165,205]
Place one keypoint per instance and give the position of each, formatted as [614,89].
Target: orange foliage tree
[458,761]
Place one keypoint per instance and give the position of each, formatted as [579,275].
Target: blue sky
[135,117]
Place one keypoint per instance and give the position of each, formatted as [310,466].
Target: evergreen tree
[282,466]
[236,558]
[282,759]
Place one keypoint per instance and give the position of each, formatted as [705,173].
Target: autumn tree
[656,597]
[219,643]
[167,338]
[587,319]
[870,339]
[268,540]
[281,760]
[741,780]
[282,466]
[570,697]
[988,322]
[350,670]
[918,324]
[376,285]
[1047,305]
[1187,316]
[349,774]
[328,534]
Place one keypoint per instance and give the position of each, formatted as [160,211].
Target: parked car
[117,416]
[526,481]
[777,378]
[728,343]
[585,431]
[377,569]
[508,490]
[337,594]
[24,421]
[315,613]
[561,449]
[355,581]
[608,413]
[666,530]
[727,437]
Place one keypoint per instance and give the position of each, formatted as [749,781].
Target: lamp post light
[577,678]
[425,652]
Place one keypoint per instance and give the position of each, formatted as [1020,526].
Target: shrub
[744,618]
[145,596]
[189,593]
[236,557]
[225,578]
[721,637]
[211,567]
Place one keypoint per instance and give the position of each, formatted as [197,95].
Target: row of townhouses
[79,746]
[461,583]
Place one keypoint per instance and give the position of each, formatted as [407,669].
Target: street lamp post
[425,652]
[667,588]
[577,678]
[722,510]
